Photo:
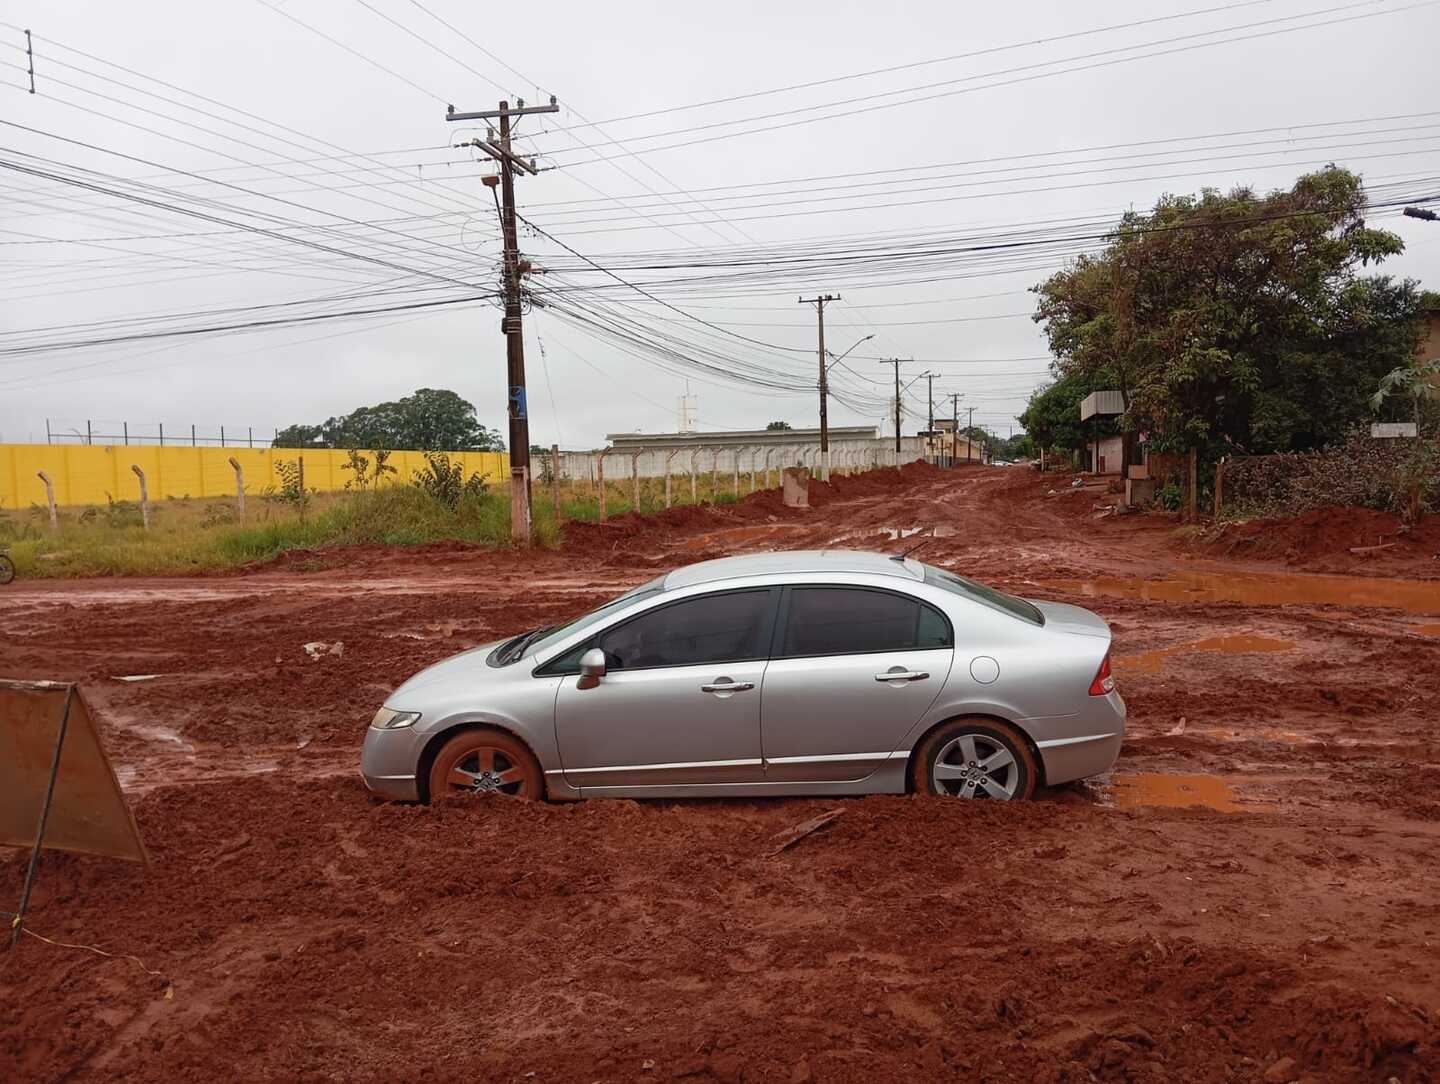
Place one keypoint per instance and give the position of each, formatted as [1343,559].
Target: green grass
[190,535]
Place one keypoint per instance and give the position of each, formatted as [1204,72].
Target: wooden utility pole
[498,149]
[969,429]
[819,302]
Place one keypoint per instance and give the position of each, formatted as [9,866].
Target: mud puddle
[1149,662]
[1267,588]
[1173,791]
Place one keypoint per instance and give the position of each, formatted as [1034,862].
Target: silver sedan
[820,672]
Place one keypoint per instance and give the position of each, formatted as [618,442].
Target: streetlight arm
[843,356]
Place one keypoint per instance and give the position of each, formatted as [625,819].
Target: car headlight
[390,719]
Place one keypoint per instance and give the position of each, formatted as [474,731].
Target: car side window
[728,627]
[853,621]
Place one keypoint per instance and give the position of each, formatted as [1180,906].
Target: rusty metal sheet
[88,812]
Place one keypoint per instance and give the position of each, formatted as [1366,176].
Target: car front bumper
[388,760]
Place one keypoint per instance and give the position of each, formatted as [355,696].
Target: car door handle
[902,675]
[728,687]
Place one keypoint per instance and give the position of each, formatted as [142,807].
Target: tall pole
[819,302]
[897,408]
[521,515]
[931,425]
[969,430]
[954,425]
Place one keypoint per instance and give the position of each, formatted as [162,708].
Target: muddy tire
[485,762]
[975,758]
[7,570]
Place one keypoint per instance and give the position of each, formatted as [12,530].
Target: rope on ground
[15,921]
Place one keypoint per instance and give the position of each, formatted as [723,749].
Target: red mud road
[1253,896]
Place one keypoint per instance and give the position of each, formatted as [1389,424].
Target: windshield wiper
[516,647]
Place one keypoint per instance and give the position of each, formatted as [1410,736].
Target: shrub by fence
[1390,475]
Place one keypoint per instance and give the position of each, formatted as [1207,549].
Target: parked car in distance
[819,672]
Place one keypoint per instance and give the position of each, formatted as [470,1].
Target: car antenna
[923,542]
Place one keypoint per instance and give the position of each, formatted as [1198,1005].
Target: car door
[679,703]
[852,670]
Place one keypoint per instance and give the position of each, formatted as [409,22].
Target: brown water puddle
[1148,662]
[1173,791]
[1268,588]
[1428,630]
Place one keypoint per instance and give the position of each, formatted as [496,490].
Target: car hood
[469,665]
[1062,617]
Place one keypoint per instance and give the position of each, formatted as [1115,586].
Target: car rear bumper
[1089,743]
[387,763]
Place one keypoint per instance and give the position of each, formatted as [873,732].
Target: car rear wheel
[975,758]
[485,762]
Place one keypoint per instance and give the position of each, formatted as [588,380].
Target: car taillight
[1104,681]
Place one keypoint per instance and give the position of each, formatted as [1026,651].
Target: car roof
[794,561]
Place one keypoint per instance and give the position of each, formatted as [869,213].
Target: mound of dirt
[1327,535]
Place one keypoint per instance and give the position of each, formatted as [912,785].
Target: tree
[429,420]
[1052,418]
[774,426]
[1236,321]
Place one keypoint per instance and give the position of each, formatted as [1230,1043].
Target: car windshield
[555,633]
[986,596]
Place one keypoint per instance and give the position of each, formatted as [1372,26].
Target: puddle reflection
[1174,791]
[1148,662]
[1267,588]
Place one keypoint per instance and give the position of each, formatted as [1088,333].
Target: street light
[843,356]
[824,408]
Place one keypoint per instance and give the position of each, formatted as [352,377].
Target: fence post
[1194,512]
[144,496]
[600,479]
[300,461]
[1219,483]
[555,478]
[239,489]
[50,500]
[670,455]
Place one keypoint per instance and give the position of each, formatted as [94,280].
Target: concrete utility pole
[931,425]
[969,429]
[896,362]
[819,302]
[954,425]
[508,162]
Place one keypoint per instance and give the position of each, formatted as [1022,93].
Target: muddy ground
[1254,895]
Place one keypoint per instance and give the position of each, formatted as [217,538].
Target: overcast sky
[362,194]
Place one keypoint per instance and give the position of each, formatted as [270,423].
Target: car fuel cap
[984,669]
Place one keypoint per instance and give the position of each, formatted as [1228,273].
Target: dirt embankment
[1252,896]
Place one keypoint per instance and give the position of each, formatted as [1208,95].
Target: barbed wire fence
[108,431]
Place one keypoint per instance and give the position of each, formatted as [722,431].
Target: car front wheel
[485,762]
[975,758]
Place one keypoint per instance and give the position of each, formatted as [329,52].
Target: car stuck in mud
[814,672]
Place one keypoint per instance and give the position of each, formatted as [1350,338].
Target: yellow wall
[84,474]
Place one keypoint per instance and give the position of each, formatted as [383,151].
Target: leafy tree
[774,426]
[1052,418]
[1020,446]
[1232,320]
[429,420]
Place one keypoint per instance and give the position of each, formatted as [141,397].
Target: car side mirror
[592,668]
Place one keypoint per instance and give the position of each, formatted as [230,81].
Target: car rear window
[986,596]
[854,620]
